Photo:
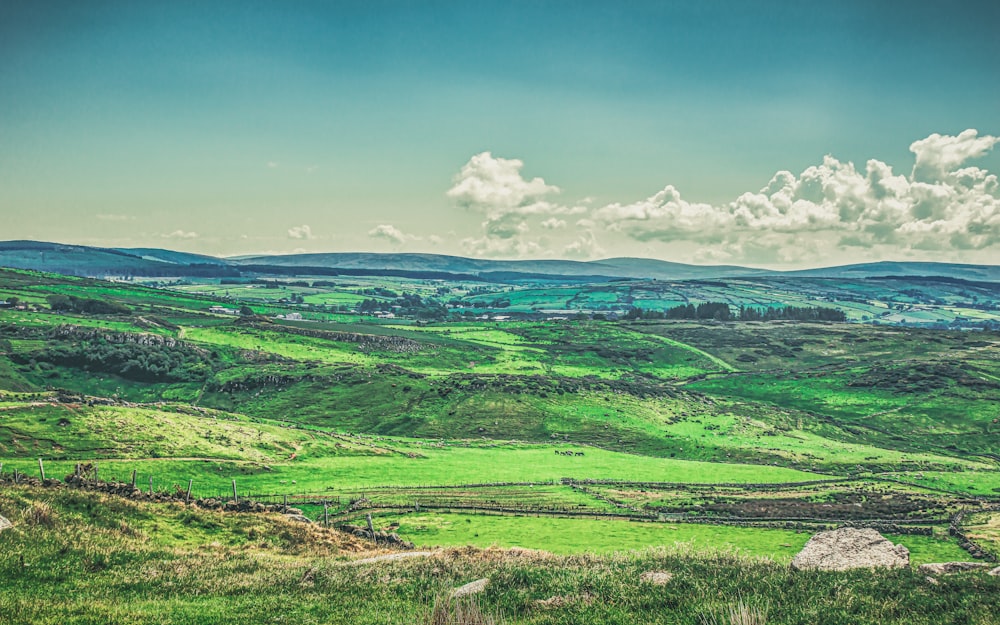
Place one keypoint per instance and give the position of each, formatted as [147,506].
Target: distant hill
[80,260]
[976,273]
[170,256]
[610,268]
[665,270]
[84,261]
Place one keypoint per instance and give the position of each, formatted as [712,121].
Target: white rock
[944,568]
[472,588]
[850,548]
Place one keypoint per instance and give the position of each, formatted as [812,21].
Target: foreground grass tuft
[462,611]
[740,613]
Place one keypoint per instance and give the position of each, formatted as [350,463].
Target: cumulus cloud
[300,232]
[495,185]
[180,234]
[944,205]
[391,233]
[939,155]
[491,247]
[941,205]
[584,247]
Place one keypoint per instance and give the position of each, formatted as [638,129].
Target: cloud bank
[391,234]
[943,205]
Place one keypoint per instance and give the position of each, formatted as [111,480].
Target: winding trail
[691,348]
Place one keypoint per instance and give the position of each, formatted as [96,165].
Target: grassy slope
[75,558]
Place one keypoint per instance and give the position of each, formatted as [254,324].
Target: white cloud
[272,164]
[939,155]
[943,205]
[584,247]
[496,185]
[392,234]
[180,234]
[492,247]
[300,232]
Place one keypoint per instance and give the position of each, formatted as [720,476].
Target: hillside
[984,273]
[75,557]
[84,261]
[711,450]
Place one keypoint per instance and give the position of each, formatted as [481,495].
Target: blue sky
[231,128]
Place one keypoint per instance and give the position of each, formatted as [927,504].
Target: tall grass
[740,613]
[461,611]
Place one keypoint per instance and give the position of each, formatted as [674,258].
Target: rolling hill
[81,260]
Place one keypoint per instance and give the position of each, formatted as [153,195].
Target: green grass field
[569,428]
[561,536]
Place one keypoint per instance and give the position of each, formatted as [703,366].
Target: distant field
[646,419]
[605,536]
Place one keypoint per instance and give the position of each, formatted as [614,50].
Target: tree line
[721,311]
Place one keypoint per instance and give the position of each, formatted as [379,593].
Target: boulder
[945,568]
[850,548]
[297,517]
[995,572]
[4,523]
[472,588]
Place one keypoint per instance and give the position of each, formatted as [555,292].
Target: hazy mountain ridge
[95,262]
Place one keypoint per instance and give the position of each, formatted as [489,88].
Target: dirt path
[392,556]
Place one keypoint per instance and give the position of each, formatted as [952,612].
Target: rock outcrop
[4,523]
[850,548]
[946,568]
[472,588]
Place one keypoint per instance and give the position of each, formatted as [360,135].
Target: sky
[772,134]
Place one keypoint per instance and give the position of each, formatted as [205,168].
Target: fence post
[187,497]
[236,498]
[133,479]
[326,515]
[150,484]
[41,469]
[97,477]
[285,503]
[371,526]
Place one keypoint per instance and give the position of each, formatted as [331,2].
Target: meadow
[581,437]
